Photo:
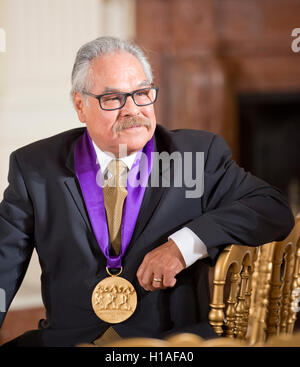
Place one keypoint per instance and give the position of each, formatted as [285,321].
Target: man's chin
[132,142]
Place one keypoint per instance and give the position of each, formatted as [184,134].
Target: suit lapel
[75,192]
[72,185]
[152,196]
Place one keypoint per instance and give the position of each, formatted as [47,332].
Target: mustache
[131,121]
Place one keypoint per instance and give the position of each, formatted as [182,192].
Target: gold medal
[114,299]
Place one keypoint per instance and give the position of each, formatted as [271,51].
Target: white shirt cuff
[190,245]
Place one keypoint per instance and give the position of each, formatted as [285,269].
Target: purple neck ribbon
[90,178]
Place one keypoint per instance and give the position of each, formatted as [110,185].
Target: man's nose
[130,108]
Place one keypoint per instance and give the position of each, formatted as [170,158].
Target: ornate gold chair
[191,340]
[276,281]
[284,340]
[180,340]
[263,288]
[229,313]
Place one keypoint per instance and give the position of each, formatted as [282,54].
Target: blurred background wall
[225,66]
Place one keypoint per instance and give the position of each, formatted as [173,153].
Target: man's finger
[157,282]
[169,274]
[145,275]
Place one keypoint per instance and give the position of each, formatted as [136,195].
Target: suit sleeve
[16,235]
[237,206]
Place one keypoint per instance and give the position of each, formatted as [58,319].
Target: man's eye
[111,98]
[142,93]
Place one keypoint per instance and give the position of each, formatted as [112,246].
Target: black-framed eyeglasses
[114,101]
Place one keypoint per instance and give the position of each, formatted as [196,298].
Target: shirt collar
[104,158]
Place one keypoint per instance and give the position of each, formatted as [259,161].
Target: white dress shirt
[189,244]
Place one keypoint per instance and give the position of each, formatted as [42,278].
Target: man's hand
[160,266]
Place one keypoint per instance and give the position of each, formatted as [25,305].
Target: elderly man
[120,255]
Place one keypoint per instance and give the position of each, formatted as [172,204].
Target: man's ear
[80,106]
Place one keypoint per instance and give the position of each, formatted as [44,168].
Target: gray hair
[81,73]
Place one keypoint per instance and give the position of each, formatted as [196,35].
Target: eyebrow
[144,83]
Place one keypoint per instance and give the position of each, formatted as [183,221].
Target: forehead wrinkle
[118,72]
[109,89]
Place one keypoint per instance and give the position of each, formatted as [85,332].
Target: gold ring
[157,280]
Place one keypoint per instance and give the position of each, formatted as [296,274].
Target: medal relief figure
[114,298]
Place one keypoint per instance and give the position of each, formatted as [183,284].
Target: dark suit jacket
[43,209]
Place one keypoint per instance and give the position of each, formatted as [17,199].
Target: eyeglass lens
[141,97]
